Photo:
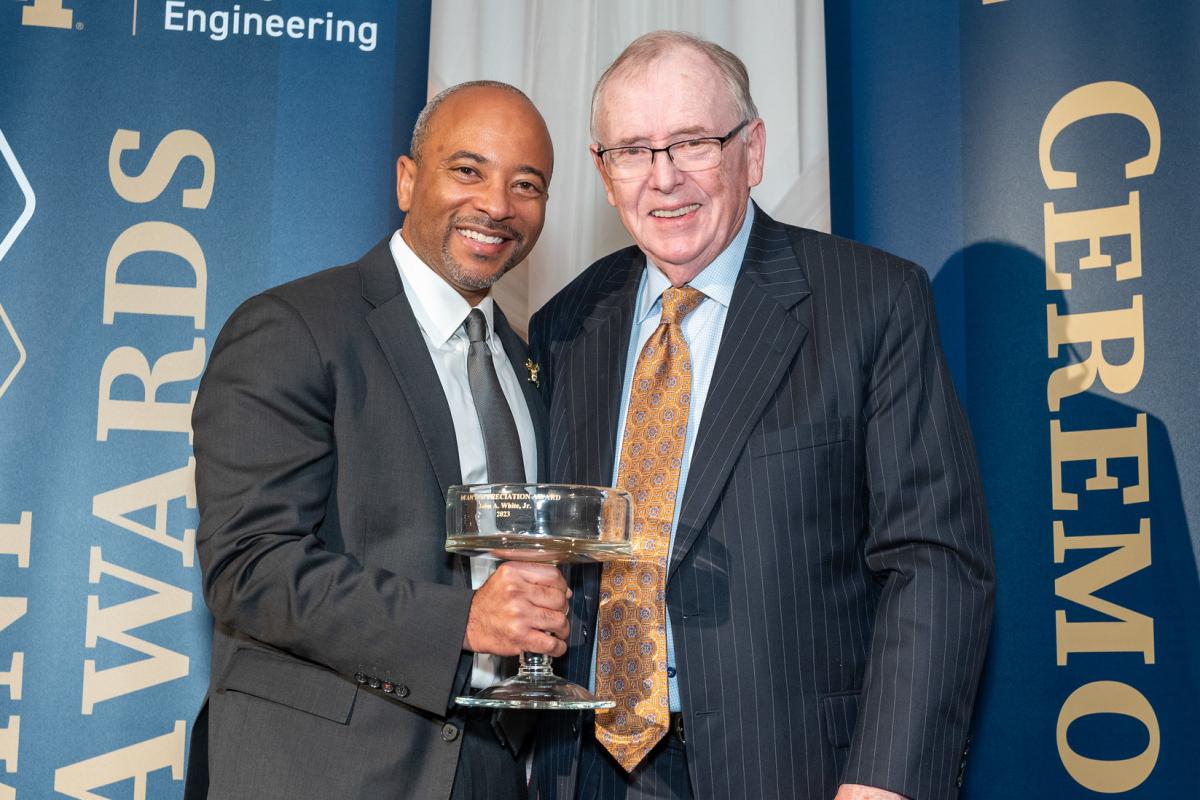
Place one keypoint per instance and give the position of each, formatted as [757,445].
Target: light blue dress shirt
[702,330]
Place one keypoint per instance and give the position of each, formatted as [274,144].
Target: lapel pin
[533,372]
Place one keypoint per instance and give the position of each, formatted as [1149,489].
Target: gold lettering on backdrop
[1091,225]
[157,492]
[14,542]
[10,746]
[152,298]
[136,761]
[14,538]
[171,151]
[1128,631]
[179,289]
[1093,100]
[11,610]
[113,623]
[1104,775]
[1099,446]
[1123,630]
[149,413]
[1094,329]
[47,14]
[10,737]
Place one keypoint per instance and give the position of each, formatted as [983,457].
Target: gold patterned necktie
[631,652]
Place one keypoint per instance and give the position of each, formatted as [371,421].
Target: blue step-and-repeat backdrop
[1041,159]
[1081,121]
[162,161]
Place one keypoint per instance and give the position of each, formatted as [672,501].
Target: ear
[608,189]
[756,148]
[406,178]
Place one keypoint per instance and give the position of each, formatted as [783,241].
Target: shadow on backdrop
[993,303]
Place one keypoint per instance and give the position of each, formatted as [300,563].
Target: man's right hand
[521,608]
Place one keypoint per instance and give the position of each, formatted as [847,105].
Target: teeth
[479,237]
[679,212]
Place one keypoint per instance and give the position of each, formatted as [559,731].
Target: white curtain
[554,51]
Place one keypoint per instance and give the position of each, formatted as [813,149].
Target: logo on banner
[10,362]
[47,14]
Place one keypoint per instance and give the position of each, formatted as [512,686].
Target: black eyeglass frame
[721,140]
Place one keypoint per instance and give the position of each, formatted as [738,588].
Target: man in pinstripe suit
[829,579]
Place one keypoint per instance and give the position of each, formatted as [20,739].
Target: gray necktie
[501,443]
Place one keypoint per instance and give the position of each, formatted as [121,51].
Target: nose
[494,200]
[664,175]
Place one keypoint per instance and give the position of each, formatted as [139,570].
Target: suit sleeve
[266,466]
[929,545]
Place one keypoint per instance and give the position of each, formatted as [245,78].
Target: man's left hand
[855,791]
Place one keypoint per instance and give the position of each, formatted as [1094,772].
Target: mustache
[490,226]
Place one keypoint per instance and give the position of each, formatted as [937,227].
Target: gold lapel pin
[533,372]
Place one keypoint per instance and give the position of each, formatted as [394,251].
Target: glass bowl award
[546,523]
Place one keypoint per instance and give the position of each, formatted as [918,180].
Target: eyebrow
[467,154]
[693,131]
[470,155]
[532,170]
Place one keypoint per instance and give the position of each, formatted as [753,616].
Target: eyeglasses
[690,155]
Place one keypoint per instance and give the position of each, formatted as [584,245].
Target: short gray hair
[650,47]
[421,128]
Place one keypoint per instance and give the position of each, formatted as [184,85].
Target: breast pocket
[805,478]
[801,437]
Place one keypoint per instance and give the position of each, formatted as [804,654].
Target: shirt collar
[438,307]
[715,281]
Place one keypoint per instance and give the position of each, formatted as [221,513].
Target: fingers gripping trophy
[544,523]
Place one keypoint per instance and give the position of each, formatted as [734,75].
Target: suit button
[360,678]
[373,682]
[402,690]
[449,733]
[387,687]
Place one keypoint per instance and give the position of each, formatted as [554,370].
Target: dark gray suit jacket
[830,586]
[324,446]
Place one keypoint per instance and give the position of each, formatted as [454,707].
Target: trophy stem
[535,666]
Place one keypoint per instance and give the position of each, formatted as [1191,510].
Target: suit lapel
[758,345]
[590,374]
[517,354]
[403,346]
[594,369]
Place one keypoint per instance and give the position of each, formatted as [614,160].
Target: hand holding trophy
[544,523]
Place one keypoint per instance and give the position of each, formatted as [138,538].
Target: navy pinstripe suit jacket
[830,587]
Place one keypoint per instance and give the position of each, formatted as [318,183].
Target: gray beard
[464,278]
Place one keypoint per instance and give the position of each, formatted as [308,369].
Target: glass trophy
[546,523]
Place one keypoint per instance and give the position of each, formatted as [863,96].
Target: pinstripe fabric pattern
[662,776]
[830,588]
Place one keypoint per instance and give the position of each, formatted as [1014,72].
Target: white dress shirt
[440,311]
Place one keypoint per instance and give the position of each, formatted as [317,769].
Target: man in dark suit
[804,479]
[335,412]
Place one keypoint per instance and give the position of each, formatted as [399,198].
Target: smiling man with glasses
[630,162]
[809,605]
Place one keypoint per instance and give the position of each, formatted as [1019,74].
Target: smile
[677,212]
[479,237]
